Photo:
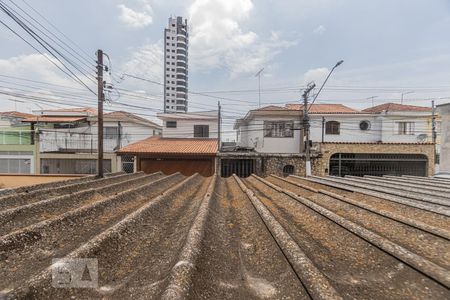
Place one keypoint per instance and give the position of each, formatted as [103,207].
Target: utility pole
[101,98]
[306,126]
[323,129]
[259,85]
[433,127]
[371,98]
[219,134]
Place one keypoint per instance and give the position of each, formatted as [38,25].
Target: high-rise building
[176,66]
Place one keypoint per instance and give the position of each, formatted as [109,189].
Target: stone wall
[328,149]
[267,164]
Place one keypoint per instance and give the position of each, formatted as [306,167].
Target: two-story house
[17,149]
[188,144]
[68,139]
[345,140]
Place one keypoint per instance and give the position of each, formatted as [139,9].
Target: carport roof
[158,145]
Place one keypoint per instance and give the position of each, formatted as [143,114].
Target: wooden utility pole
[101,98]
[219,134]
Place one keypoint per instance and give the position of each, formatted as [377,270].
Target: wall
[390,129]
[185,128]
[109,156]
[328,149]
[444,165]
[267,164]
[349,128]
[17,180]
[252,135]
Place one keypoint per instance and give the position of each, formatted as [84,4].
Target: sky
[389,47]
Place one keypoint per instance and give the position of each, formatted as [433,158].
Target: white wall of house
[252,135]
[185,128]
[349,128]
[420,128]
[383,128]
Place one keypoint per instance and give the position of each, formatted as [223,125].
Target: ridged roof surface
[325,108]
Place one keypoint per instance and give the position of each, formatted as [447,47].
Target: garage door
[360,164]
[204,167]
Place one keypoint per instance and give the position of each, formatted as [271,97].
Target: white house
[386,139]
[68,138]
[190,125]
[275,129]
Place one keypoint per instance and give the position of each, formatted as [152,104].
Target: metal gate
[240,167]
[376,164]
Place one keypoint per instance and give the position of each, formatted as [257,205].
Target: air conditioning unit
[422,137]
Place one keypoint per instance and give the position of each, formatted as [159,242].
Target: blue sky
[389,47]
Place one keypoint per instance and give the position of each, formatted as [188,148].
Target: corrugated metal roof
[158,145]
[136,236]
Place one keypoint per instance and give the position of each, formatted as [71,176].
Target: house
[188,144]
[388,139]
[17,149]
[68,139]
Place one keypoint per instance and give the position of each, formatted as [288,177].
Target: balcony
[83,142]
[16,137]
[181,64]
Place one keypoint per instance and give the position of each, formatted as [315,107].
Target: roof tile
[158,145]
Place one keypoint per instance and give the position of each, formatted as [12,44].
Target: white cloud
[317,75]
[146,61]
[135,18]
[319,29]
[36,67]
[217,38]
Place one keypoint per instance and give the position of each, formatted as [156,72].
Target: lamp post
[405,93]
[306,117]
[259,85]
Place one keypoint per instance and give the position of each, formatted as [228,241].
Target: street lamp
[259,85]
[326,79]
[306,118]
[406,93]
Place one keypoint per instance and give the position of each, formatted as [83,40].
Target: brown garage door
[204,167]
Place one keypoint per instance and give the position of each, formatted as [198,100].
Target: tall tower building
[176,66]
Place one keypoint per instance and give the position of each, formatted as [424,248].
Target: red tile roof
[325,109]
[35,119]
[271,107]
[179,146]
[15,114]
[395,107]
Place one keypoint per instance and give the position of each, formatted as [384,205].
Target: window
[171,124]
[201,130]
[404,128]
[332,127]
[111,133]
[288,170]
[278,129]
